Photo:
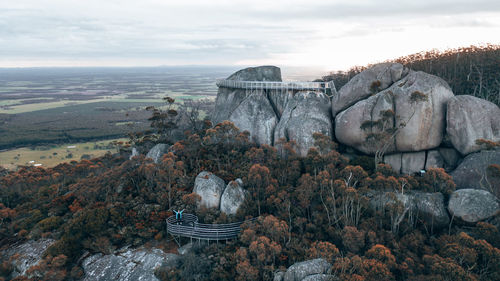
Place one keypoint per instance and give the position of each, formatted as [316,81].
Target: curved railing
[189,227]
[284,86]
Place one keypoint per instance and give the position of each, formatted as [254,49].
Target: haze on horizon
[331,35]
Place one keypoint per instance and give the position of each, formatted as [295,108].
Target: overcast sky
[333,35]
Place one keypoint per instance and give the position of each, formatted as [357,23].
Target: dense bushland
[313,206]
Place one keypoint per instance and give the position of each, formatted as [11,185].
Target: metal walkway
[325,87]
[189,227]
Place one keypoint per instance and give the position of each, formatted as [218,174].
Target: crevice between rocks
[425,160]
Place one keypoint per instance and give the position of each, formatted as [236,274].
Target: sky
[331,35]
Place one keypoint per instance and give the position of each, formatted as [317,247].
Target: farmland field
[55,106]
[51,155]
[61,105]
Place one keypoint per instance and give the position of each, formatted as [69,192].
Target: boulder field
[412,116]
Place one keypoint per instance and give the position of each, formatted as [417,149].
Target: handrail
[189,227]
[276,85]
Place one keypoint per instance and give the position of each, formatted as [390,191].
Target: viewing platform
[189,227]
[325,87]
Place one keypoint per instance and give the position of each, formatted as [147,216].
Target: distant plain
[56,106]
[44,110]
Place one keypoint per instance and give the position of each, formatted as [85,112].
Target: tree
[437,180]
[305,193]
[353,239]
[170,173]
[323,249]
[259,179]
[164,121]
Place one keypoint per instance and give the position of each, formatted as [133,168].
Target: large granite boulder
[420,119]
[256,115]
[300,270]
[157,152]
[472,172]
[425,120]
[259,73]
[473,205]
[428,207]
[229,99]
[233,196]
[305,114]
[469,119]
[26,255]
[368,82]
[210,188]
[348,129]
[127,265]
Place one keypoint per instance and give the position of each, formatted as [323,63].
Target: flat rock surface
[127,265]
[30,253]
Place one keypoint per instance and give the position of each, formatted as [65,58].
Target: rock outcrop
[469,119]
[27,255]
[387,108]
[233,196]
[157,152]
[127,265]
[256,115]
[301,270]
[428,207]
[472,172]
[210,188]
[420,119]
[229,99]
[374,79]
[473,205]
[305,114]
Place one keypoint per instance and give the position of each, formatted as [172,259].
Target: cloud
[228,32]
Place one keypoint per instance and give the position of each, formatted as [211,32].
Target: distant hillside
[470,70]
